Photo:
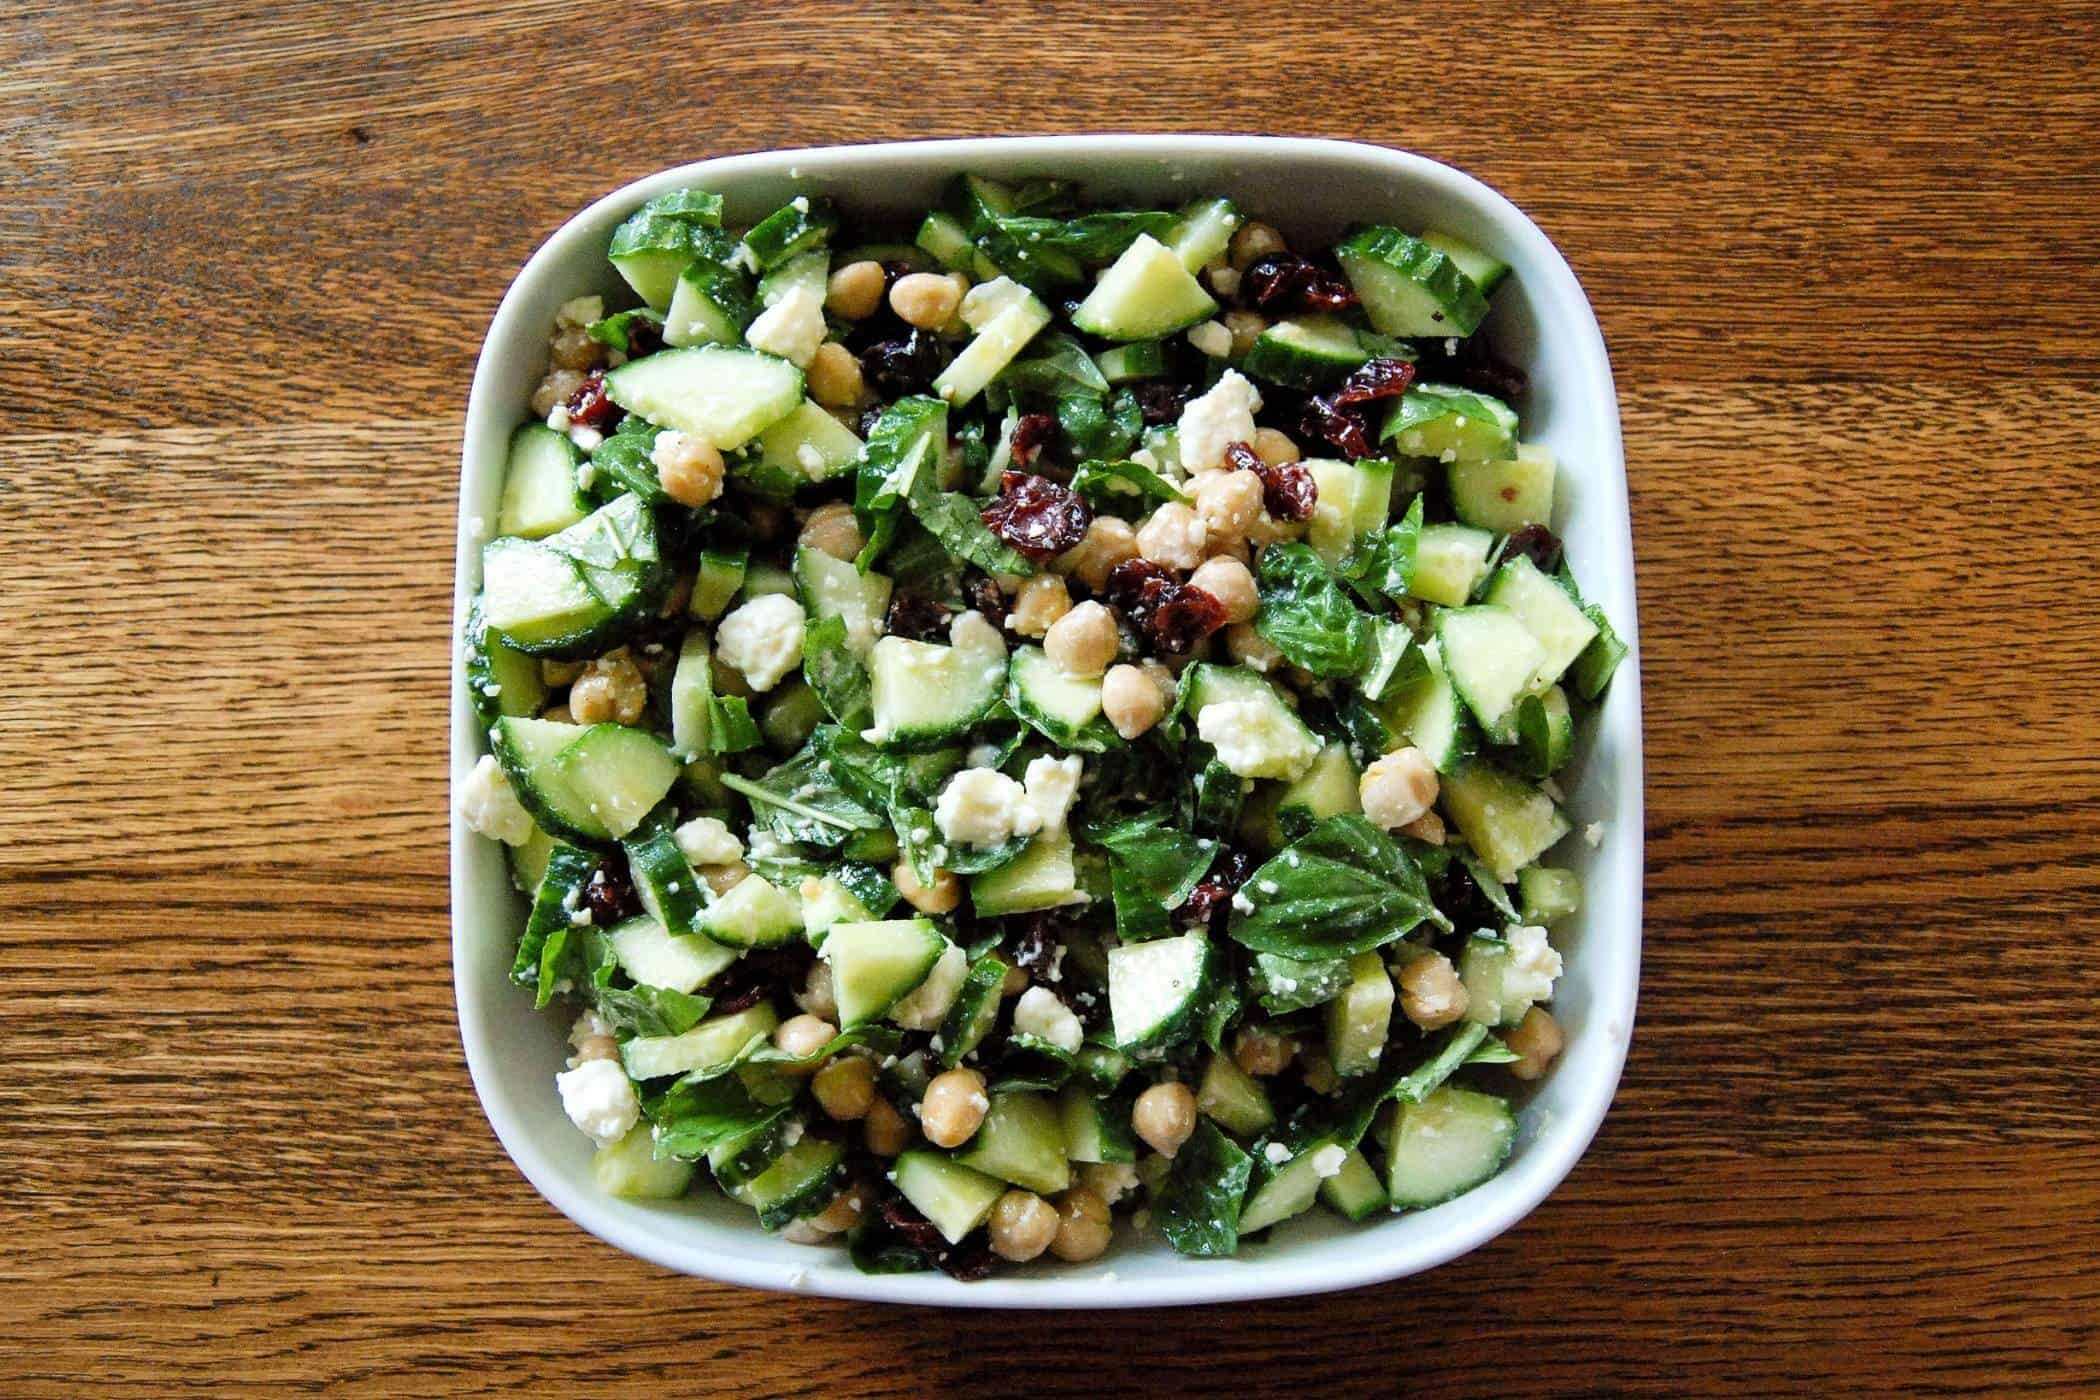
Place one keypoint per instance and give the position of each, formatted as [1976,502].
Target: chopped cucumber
[1493,661]
[1445,1146]
[1312,352]
[834,588]
[651,249]
[501,680]
[999,339]
[1452,425]
[807,446]
[631,1170]
[1545,732]
[1290,1191]
[1450,561]
[754,914]
[875,965]
[956,1199]
[1206,228]
[1155,989]
[1355,498]
[716,1041]
[1484,271]
[692,696]
[801,1181]
[1504,496]
[1409,288]
[652,956]
[943,238]
[1327,789]
[975,1009]
[1359,1020]
[664,881]
[1233,1098]
[1021,1141]
[1355,1191]
[1042,876]
[827,901]
[711,306]
[796,227]
[726,396]
[1096,1129]
[540,494]
[1125,364]
[1554,619]
[924,693]
[594,783]
[1508,822]
[810,271]
[1260,735]
[1143,295]
[1064,708]
[719,580]
[1430,715]
[1548,894]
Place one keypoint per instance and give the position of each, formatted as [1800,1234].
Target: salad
[1033,723]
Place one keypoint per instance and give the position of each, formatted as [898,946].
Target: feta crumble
[1039,1013]
[983,807]
[490,807]
[1214,420]
[1533,966]
[708,841]
[599,1099]
[1052,785]
[1256,742]
[791,328]
[762,639]
[1327,1161]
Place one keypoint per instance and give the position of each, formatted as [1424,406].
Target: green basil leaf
[1198,1212]
[1305,614]
[645,1010]
[835,673]
[1383,562]
[1091,426]
[1122,482]
[1345,887]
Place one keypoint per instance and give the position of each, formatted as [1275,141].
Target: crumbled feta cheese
[580,311]
[1327,1161]
[599,1098]
[1053,785]
[1214,420]
[590,1023]
[810,460]
[1240,903]
[800,204]
[923,1009]
[1593,834]
[1533,966]
[586,439]
[558,418]
[491,808]
[791,328]
[972,631]
[983,807]
[762,639]
[1254,741]
[1039,1013]
[1212,339]
[1111,1181]
[708,841]
[1277,1154]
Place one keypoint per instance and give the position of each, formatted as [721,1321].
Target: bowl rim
[1545,1162]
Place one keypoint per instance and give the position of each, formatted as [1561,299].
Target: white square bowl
[1311,189]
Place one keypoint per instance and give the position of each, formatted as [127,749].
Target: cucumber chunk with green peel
[834,588]
[538,600]
[875,965]
[754,914]
[1327,789]
[1409,288]
[1354,1192]
[670,891]
[1290,1191]
[716,1041]
[1042,876]
[1311,352]
[1233,1098]
[1429,714]
[977,203]
[631,1170]
[1452,425]
[1493,662]
[1021,1141]
[1255,730]
[943,238]
[801,1181]
[692,696]
[540,494]
[1545,732]
[711,305]
[528,863]
[1445,1146]
[1504,496]
[595,783]
[796,227]
[652,956]
[1096,1129]
[810,271]
[1064,708]
[651,249]
[1555,621]
[923,693]
[1508,822]
[719,580]
[1593,669]
[1354,499]
[955,1198]
[1204,232]
[1484,270]
[1450,561]
[501,680]
[1014,319]
[1359,1020]
[1145,294]
[807,446]
[1156,989]
[1125,364]
[726,396]
[975,1009]
[1548,894]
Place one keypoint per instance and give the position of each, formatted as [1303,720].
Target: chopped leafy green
[1351,1118]
[838,676]
[569,869]
[1484,880]
[904,445]
[730,728]
[692,1117]
[954,520]
[1152,869]
[1287,984]
[1122,482]
[1345,887]
[650,1010]
[1199,1210]
[801,800]
[1091,426]
[1102,237]
[1383,562]
[1056,365]
[1305,614]
[1213,798]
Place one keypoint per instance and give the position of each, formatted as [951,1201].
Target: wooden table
[1846,264]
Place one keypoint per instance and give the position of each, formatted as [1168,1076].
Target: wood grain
[1846,261]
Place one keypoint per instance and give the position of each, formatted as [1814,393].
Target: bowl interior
[1311,190]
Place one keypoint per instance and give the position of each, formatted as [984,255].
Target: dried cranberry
[589,407]
[1173,615]
[1030,433]
[1471,365]
[1160,401]
[1373,380]
[1289,282]
[1137,586]
[1536,543]
[894,268]
[917,618]
[644,337]
[760,973]
[868,419]
[1347,430]
[1288,491]
[969,1261]
[905,365]
[609,893]
[982,594]
[1215,889]
[1037,516]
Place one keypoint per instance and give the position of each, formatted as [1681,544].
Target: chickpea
[1429,827]
[1164,1116]
[925,299]
[883,1128]
[831,529]
[1082,642]
[1250,648]
[559,673]
[1223,279]
[1173,535]
[855,290]
[1015,982]
[611,689]
[845,1210]
[1262,1052]
[817,996]
[1083,1226]
[1132,699]
[833,375]
[940,897]
[1398,788]
[845,1087]
[806,1231]
[953,1107]
[676,601]
[1228,581]
[1043,599]
[1430,993]
[1252,242]
[1111,1181]
[689,468]
[572,348]
[554,390]
[595,1047]
[1108,542]
[1229,502]
[1022,1226]
[1318,1072]
[1275,448]
[728,679]
[724,878]
[558,712]
[802,1035]
[1538,1039]
[1244,327]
